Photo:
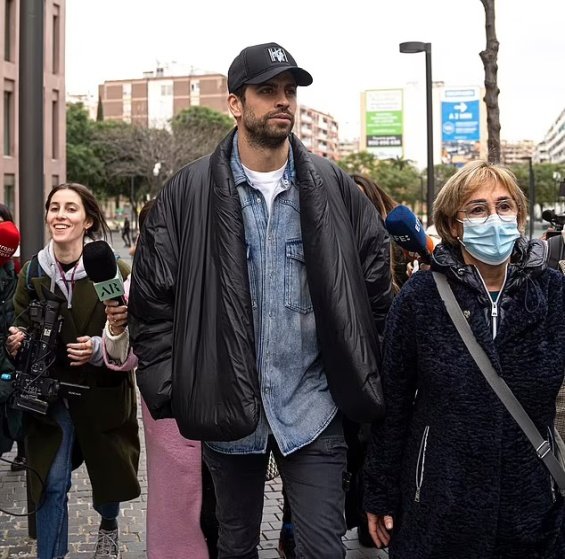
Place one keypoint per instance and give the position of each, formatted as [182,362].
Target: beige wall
[54,100]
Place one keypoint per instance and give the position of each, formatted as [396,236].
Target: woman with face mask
[449,472]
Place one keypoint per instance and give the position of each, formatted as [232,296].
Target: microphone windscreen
[99,261]
[9,240]
[407,230]
[548,215]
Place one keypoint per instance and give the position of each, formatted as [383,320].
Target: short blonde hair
[463,183]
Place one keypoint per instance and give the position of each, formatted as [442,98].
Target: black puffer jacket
[190,310]
[449,463]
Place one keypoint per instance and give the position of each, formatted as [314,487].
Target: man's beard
[263,133]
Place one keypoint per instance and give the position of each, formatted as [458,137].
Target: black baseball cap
[260,63]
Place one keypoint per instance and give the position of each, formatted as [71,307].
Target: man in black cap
[258,298]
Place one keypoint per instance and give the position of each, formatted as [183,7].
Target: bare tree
[489,56]
[153,155]
[136,151]
[196,132]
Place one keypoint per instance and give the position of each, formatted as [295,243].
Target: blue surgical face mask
[491,241]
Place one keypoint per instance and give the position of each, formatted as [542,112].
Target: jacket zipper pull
[494,314]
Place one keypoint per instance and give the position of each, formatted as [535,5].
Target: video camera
[556,220]
[34,389]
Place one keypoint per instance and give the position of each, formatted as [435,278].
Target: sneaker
[18,464]
[108,545]
[287,545]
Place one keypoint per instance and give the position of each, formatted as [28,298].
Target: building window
[9,117]
[54,180]
[9,29]
[10,192]
[56,38]
[55,125]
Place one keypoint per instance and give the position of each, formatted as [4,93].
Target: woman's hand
[117,316]
[379,528]
[80,352]
[414,266]
[14,340]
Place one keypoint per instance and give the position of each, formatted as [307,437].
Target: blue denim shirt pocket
[296,290]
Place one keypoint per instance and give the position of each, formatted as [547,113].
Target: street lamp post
[422,194]
[132,201]
[557,178]
[531,192]
[411,47]
[31,148]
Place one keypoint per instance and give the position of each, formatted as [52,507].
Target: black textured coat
[190,315]
[449,462]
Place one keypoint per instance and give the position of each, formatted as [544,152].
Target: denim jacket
[296,401]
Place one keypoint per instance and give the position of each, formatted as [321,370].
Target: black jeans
[313,480]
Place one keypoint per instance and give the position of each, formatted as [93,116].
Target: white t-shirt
[268,183]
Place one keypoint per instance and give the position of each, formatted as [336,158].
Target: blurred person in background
[556,260]
[126,232]
[100,426]
[174,472]
[384,203]
[356,435]
[10,426]
[449,472]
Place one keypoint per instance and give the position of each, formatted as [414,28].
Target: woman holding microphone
[99,427]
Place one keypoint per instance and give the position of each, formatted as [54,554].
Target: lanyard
[64,278]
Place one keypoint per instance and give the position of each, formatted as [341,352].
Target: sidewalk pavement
[84,521]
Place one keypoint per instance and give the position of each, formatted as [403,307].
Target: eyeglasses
[479,212]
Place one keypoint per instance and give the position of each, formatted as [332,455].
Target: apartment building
[318,132]
[540,154]
[516,152]
[554,141]
[54,98]
[155,99]
[347,147]
[88,101]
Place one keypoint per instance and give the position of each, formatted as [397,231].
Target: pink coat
[174,482]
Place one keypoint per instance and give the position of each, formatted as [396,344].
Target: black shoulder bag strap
[497,383]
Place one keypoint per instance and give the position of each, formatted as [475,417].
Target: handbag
[554,462]
[272,468]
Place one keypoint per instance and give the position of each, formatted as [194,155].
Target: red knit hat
[9,241]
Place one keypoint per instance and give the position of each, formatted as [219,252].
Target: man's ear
[235,105]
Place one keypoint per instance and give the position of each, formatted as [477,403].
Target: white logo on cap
[277,55]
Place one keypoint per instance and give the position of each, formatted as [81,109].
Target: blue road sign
[460,121]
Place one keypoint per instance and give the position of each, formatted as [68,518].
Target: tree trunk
[489,57]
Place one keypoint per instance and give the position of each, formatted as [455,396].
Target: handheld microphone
[408,232]
[9,241]
[100,266]
[548,215]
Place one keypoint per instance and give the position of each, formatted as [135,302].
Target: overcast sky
[347,46]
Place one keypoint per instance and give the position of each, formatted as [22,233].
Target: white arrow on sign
[461,107]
